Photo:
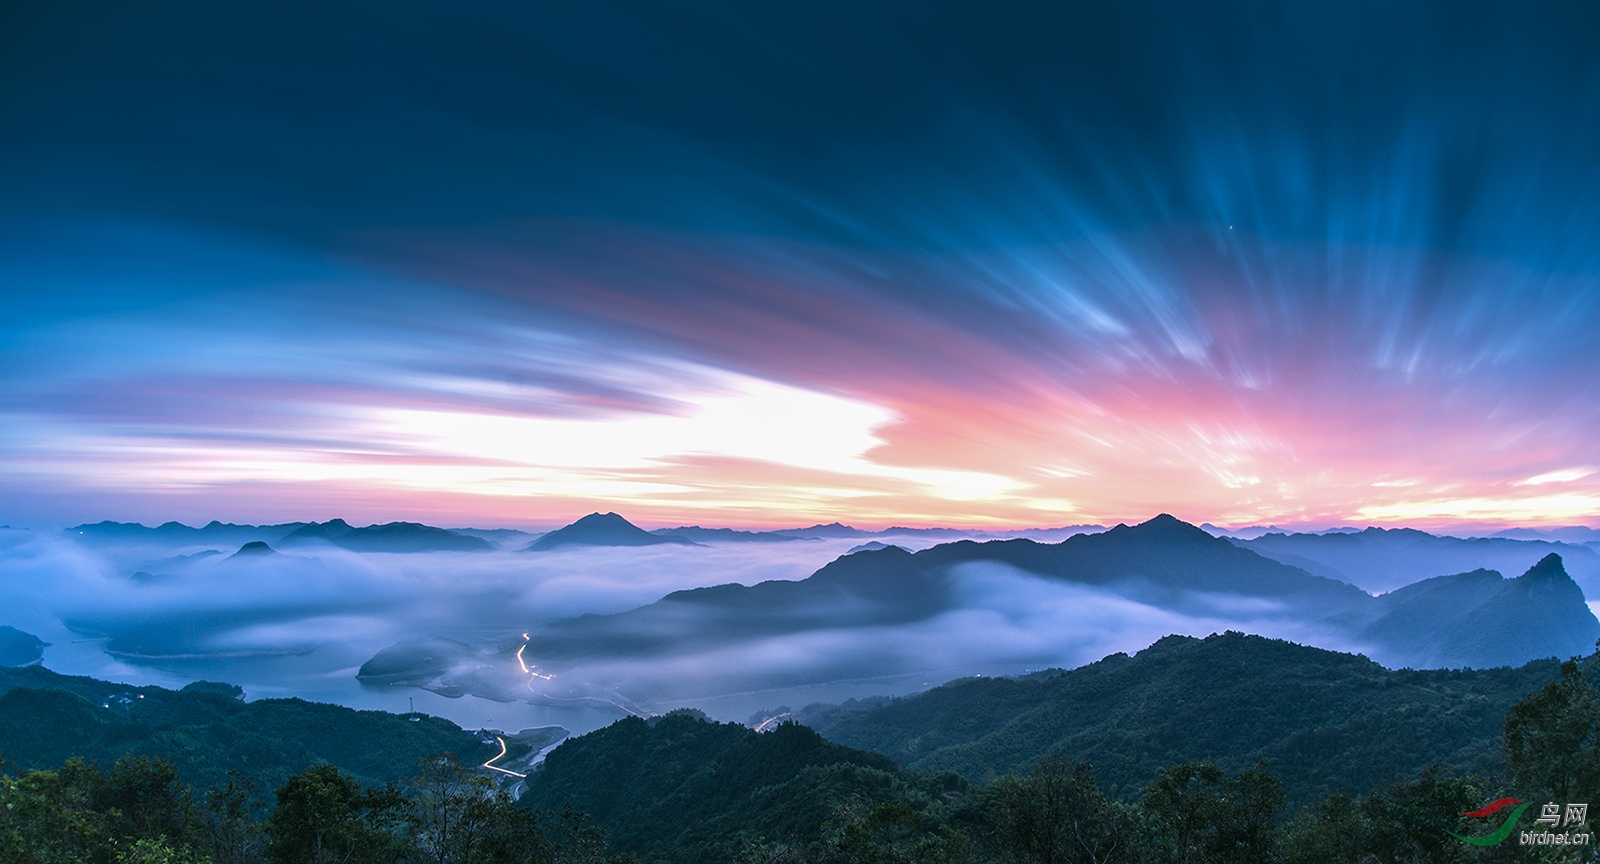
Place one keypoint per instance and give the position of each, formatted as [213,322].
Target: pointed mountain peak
[1167,528]
[604,529]
[1549,567]
[253,549]
[332,529]
[597,519]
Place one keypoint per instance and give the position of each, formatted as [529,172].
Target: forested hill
[205,730]
[681,788]
[1325,721]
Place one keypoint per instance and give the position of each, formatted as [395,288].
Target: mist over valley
[581,625]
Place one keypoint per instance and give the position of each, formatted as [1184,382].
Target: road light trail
[772,722]
[497,757]
[524,664]
[533,673]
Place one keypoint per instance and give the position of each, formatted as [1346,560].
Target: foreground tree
[1411,820]
[145,800]
[455,815]
[236,837]
[1058,815]
[159,851]
[46,817]
[891,833]
[1335,830]
[1207,818]
[451,810]
[323,816]
[78,814]
[1552,739]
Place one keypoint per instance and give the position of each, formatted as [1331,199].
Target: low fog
[1009,621]
[302,621]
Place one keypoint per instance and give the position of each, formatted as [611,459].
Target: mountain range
[1375,559]
[176,533]
[726,535]
[886,600]
[1478,619]
[389,537]
[836,531]
[1162,561]
[1383,559]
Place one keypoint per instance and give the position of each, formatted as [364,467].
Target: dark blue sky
[1039,262]
[934,125]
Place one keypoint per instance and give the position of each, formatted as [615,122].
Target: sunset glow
[927,298]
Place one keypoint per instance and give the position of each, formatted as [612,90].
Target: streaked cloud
[1571,508]
[984,266]
[1565,475]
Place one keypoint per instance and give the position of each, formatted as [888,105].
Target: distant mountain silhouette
[1475,619]
[956,533]
[330,530]
[214,532]
[1580,534]
[504,538]
[1482,620]
[819,532]
[390,537]
[226,534]
[604,529]
[1383,559]
[176,563]
[1163,562]
[725,535]
[836,531]
[253,549]
[882,587]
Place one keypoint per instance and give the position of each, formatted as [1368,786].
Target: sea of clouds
[301,622]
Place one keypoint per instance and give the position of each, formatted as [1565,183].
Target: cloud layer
[300,623]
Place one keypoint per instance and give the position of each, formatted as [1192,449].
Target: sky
[919,263]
